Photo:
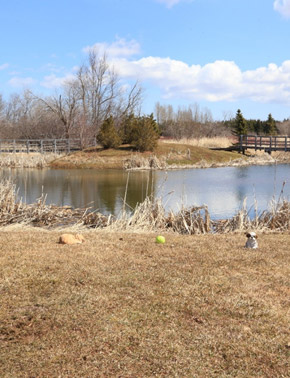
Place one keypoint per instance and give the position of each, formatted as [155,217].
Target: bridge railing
[40,145]
[267,143]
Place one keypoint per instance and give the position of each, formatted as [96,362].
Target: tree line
[241,126]
[189,122]
[194,122]
[95,105]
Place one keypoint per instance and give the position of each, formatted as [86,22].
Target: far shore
[168,155]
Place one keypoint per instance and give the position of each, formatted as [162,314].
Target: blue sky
[220,54]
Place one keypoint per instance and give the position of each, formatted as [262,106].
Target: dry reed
[151,162]
[31,160]
[150,215]
[13,211]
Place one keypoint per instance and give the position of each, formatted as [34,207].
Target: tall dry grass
[150,215]
[23,160]
[215,142]
[14,211]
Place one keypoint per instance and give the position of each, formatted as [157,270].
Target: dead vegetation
[14,211]
[24,160]
[120,305]
[214,142]
[150,215]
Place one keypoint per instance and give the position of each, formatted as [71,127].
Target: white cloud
[121,48]
[171,3]
[20,82]
[4,66]
[217,81]
[283,7]
[53,81]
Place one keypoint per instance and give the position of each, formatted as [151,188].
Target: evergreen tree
[258,127]
[239,125]
[270,127]
[108,136]
[146,134]
[128,128]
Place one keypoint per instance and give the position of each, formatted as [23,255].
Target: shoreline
[135,162]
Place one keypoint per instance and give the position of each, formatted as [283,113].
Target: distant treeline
[194,122]
[95,100]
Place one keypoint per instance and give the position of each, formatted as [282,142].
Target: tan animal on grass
[71,239]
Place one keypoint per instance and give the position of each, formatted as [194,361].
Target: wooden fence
[40,145]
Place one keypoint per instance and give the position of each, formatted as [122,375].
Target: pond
[223,190]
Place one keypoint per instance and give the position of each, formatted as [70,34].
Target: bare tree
[78,109]
[91,97]
[64,106]
[101,93]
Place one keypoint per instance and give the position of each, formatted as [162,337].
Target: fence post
[241,143]
[68,146]
[55,146]
[27,146]
[285,143]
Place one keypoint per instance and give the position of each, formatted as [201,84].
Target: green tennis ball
[160,239]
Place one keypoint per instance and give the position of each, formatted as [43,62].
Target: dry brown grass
[216,142]
[24,160]
[120,305]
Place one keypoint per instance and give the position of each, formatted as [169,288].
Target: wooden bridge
[40,145]
[258,142]
[266,143]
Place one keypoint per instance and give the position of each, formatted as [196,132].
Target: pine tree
[108,136]
[270,127]
[239,126]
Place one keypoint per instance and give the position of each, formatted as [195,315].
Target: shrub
[108,136]
[145,134]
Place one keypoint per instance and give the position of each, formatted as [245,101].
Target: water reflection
[102,190]
[222,189]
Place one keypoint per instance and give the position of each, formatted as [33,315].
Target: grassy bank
[120,305]
[166,156]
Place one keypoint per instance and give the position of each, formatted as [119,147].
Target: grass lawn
[121,305]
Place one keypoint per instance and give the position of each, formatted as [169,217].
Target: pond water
[222,189]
